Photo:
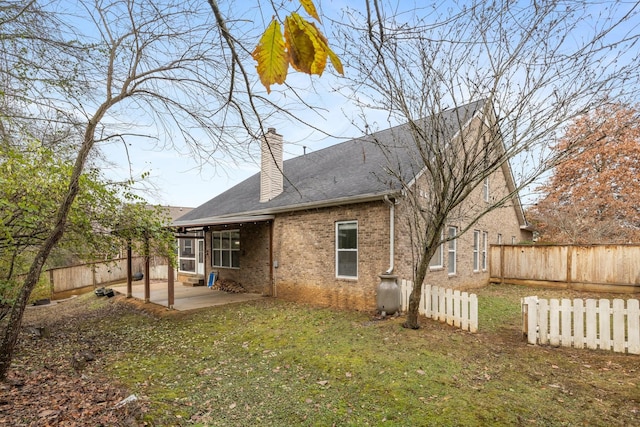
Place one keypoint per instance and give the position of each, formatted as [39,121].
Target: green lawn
[274,363]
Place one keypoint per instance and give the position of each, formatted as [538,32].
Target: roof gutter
[216,220]
[392,215]
[348,200]
[268,213]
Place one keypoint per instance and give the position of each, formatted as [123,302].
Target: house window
[347,249]
[186,251]
[499,238]
[225,248]
[485,189]
[451,249]
[485,242]
[438,257]
[186,255]
[476,250]
[187,247]
[513,240]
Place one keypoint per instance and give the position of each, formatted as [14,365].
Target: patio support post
[147,286]
[170,280]
[129,269]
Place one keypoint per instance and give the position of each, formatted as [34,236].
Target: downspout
[272,276]
[392,214]
[388,293]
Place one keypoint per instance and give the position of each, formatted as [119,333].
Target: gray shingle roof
[352,170]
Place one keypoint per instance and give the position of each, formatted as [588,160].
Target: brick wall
[253,273]
[502,221]
[254,256]
[305,250]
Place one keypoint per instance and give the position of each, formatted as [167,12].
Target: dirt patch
[56,377]
[150,308]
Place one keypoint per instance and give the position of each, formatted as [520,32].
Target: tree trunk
[413,311]
[15,321]
[416,293]
[17,311]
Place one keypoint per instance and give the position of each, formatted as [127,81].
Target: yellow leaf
[335,61]
[310,8]
[271,56]
[307,47]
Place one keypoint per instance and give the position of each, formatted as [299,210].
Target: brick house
[325,230]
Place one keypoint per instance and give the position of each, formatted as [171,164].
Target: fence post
[473,313]
[619,326]
[542,317]
[569,265]
[591,320]
[129,270]
[427,300]
[457,302]
[170,285]
[405,291]
[578,323]
[529,318]
[604,324]
[464,312]
[502,264]
[441,305]
[633,320]
[52,287]
[448,298]
[566,314]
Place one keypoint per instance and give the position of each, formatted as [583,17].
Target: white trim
[476,251]
[484,263]
[192,242]
[452,248]
[338,250]
[439,251]
[200,262]
[221,250]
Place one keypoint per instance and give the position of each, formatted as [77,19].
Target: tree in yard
[32,184]
[105,70]
[594,195]
[536,68]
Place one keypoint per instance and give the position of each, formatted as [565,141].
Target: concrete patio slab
[185,297]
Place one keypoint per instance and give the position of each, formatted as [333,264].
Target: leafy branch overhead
[303,46]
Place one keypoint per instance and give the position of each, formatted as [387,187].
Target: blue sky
[177,178]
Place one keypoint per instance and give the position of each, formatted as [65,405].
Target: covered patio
[184,297]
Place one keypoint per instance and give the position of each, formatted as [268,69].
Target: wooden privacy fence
[456,308]
[101,273]
[602,268]
[594,324]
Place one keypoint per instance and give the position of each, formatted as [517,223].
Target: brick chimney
[271,178]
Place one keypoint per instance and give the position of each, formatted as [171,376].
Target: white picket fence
[456,308]
[592,323]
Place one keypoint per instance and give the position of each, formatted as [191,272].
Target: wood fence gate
[578,323]
[459,309]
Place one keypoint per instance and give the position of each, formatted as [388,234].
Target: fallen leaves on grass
[56,380]
[45,397]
